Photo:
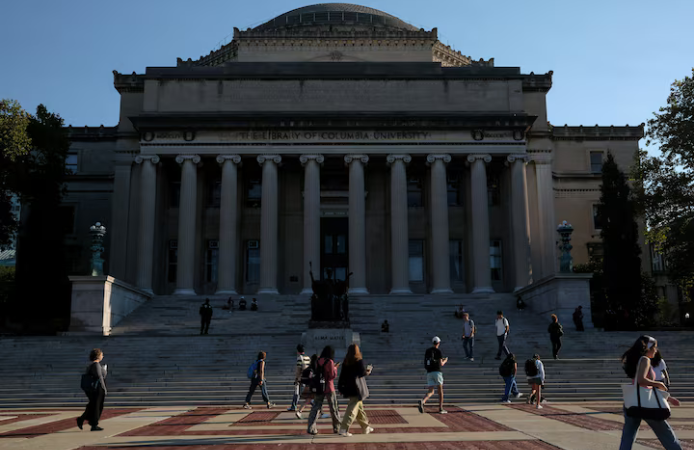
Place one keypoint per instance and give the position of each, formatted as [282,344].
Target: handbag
[645,403]
[362,388]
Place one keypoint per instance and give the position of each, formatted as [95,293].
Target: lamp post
[98,232]
[565,260]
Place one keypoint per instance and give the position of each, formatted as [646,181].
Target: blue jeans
[502,345]
[661,429]
[469,346]
[511,387]
[263,390]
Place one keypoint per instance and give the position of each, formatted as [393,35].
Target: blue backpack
[253,369]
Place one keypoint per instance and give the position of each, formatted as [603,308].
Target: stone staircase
[156,356]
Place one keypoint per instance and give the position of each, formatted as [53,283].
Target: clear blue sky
[613,60]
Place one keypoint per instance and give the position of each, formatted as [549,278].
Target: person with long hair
[96,395]
[637,365]
[258,379]
[556,331]
[352,370]
[326,372]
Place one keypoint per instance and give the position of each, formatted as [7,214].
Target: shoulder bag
[645,403]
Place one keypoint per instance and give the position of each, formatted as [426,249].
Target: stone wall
[561,295]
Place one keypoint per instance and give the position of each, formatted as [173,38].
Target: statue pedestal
[315,339]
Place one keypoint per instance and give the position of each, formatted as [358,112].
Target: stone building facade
[340,136]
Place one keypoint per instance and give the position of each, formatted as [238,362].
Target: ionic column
[120,212]
[482,277]
[268,224]
[519,221]
[439,224]
[357,224]
[545,206]
[226,279]
[312,255]
[187,215]
[145,246]
[399,233]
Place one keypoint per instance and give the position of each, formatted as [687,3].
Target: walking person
[205,317]
[302,363]
[578,318]
[660,369]
[256,372]
[468,336]
[352,384]
[326,372]
[308,393]
[535,371]
[556,331]
[433,363]
[637,365]
[502,329]
[508,370]
[96,391]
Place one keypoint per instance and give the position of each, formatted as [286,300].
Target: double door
[334,245]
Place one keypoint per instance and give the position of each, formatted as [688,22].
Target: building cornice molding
[128,83]
[598,133]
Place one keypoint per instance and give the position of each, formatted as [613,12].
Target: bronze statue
[329,302]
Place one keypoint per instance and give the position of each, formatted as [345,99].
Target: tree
[667,197]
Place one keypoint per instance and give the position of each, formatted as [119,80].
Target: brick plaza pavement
[516,426]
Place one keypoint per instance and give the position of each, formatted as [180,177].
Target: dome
[335,14]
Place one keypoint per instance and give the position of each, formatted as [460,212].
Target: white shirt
[659,369]
[501,325]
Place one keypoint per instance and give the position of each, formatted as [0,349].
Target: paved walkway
[517,426]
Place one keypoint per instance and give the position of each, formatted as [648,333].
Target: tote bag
[645,403]
[362,388]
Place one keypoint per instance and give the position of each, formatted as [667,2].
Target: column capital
[540,156]
[236,159]
[180,159]
[304,159]
[431,158]
[262,159]
[485,158]
[349,158]
[139,159]
[390,159]
[522,157]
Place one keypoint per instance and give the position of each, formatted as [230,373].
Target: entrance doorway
[333,247]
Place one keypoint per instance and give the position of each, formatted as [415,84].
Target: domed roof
[335,14]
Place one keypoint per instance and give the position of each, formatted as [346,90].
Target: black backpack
[318,380]
[506,368]
[89,382]
[429,360]
[530,368]
[306,376]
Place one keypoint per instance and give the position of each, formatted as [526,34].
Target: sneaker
[544,402]
[519,395]
[270,405]
[540,406]
[313,433]
[291,409]
[298,415]
[443,411]
[97,428]
[472,359]
[505,401]
[247,406]
[345,433]
[368,430]
[420,407]
[80,422]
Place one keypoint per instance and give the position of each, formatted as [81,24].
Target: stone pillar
[357,224]
[482,277]
[268,224]
[148,201]
[399,232]
[545,207]
[519,221]
[312,255]
[439,224]
[226,280]
[187,215]
[120,211]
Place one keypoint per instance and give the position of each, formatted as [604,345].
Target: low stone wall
[559,294]
[99,303]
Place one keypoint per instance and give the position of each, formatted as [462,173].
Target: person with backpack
[556,331]
[352,385]
[469,336]
[508,370]
[535,371]
[433,362]
[302,363]
[326,372]
[502,329]
[94,386]
[256,372]
[308,393]
[205,317]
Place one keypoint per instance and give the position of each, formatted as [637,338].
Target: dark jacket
[347,383]
[206,311]
[555,330]
[98,373]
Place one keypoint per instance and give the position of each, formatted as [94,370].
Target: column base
[358,291]
[182,291]
[400,291]
[441,291]
[306,291]
[483,290]
[226,292]
[267,291]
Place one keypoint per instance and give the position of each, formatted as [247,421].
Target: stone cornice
[304,159]
[128,83]
[537,83]
[598,133]
[262,159]
[333,32]
[541,156]
[91,133]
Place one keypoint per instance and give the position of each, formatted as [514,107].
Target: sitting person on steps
[254,305]
[242,304]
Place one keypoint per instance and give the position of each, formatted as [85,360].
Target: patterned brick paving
[62,425]
[687,444]
[21,418]
[581,420]
[175,425]
[463,445]
[258,418]
[677,424]
[385,417]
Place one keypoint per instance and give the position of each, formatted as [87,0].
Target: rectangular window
[595,252]
[66,219]
[172,261]
[254,192]
[253,261]
[174,194]
[416,260]
[454,189]
[414,192]
[493,188]
[657,260]
[455,255]
[211,261]
[214,194]
[596,162]
[597,220]
[495,259]
[71,163]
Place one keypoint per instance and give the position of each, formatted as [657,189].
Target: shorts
[535,380]
[434,379]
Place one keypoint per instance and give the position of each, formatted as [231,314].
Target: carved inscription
[326,135]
